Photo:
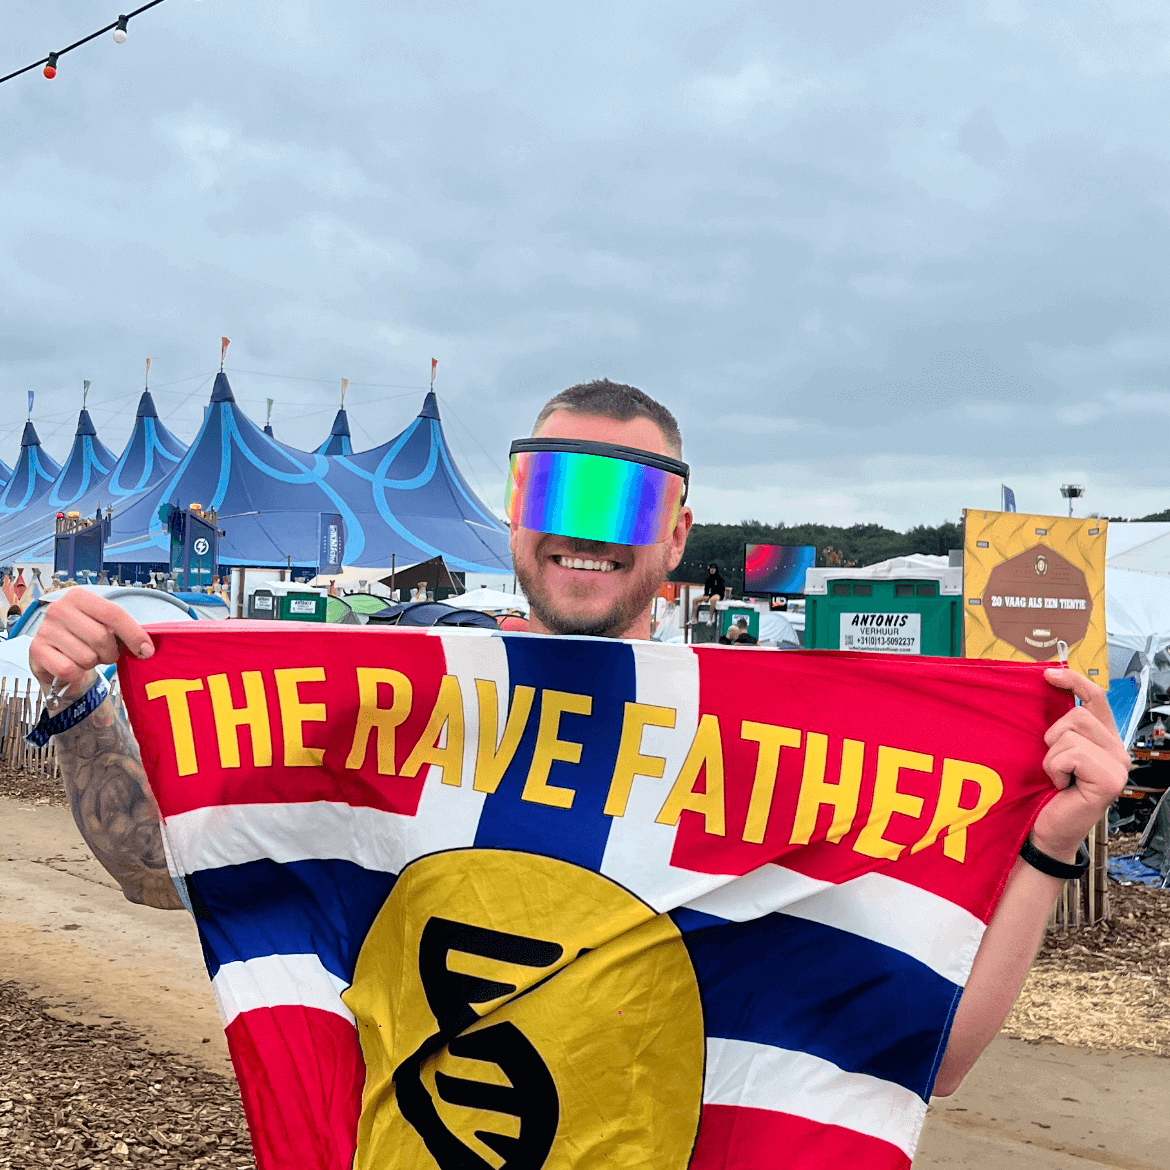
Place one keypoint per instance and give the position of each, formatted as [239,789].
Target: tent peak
[430,406]
[85,423]
[341,424]
[30,438]
[222,392]
[146,406]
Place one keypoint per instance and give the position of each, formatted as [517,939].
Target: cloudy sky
[879,258]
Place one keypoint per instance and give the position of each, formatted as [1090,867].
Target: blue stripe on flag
[807,987]
[298,908]
[604,670]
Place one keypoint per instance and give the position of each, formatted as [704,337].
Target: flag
[84,392]
[434,367]
[224,342]
[1009,499]
[31,395]
[474,900]
[344,388]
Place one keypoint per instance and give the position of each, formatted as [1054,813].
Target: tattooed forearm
[113,806]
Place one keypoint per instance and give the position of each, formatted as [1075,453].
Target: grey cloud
[877,257]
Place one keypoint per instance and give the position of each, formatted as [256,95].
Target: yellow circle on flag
[517,1012]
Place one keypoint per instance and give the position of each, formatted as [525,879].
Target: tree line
[859,544]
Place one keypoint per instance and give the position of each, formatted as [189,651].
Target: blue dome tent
[33,476]
[89,460]
[92,479]
[404,500]
[413,490]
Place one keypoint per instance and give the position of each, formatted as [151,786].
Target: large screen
[776,568]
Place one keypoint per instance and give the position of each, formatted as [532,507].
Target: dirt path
[68,935]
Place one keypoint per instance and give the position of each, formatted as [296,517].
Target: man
[590,587]
[738,635]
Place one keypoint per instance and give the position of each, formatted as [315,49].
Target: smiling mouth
[586,565]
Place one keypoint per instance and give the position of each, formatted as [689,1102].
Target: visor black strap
[607,451]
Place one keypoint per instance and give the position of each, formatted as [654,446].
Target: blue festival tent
[5,473]
[414,490]
[33,476]
[91,479]
[405,500]
[89,460]
[338,442]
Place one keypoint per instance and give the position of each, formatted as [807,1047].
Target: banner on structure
[474,900]
[1031,582]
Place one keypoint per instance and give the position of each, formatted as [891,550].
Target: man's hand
[79,631]
[107,790]
[1083,744]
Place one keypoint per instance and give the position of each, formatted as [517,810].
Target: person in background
[14,613]
[713,589]
[738,635]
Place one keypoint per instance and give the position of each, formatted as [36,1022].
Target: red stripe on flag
[992,714]
[265,646]
[301,1073]
[736,1138]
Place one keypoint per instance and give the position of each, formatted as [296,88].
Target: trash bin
[262,605]
[302,606]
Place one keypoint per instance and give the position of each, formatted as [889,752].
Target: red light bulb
[50,70]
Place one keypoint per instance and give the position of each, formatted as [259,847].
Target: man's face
[584,586]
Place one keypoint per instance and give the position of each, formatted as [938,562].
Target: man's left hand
[1083,744]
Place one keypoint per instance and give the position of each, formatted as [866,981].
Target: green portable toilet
[908,605]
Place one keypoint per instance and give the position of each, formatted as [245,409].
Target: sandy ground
[69,937]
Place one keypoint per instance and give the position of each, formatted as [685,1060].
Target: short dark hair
[617,401]
[741,622]
[14,609]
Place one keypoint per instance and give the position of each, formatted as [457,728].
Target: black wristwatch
[1052,867]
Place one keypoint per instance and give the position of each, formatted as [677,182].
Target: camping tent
[490,601]
[150,455]
[33,476]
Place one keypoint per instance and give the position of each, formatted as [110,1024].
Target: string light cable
[117,27]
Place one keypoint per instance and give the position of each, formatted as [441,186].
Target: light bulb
[50,70]
[120,30]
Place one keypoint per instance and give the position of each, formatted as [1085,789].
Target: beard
[556,612]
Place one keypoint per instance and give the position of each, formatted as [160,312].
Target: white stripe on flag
[638,850]
[758,1076]
[448,817]
[234,834]
[278,981]
[925,926]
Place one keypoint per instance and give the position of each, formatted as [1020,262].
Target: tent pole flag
[1007,498]
[224,342]
[434,367]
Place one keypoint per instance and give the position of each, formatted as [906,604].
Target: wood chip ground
[94,1097]
[1104,986]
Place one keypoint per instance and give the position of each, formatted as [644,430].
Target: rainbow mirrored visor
[595,491]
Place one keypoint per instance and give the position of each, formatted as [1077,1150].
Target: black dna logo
[530,1096]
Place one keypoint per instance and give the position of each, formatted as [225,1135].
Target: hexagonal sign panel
[1036,600]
